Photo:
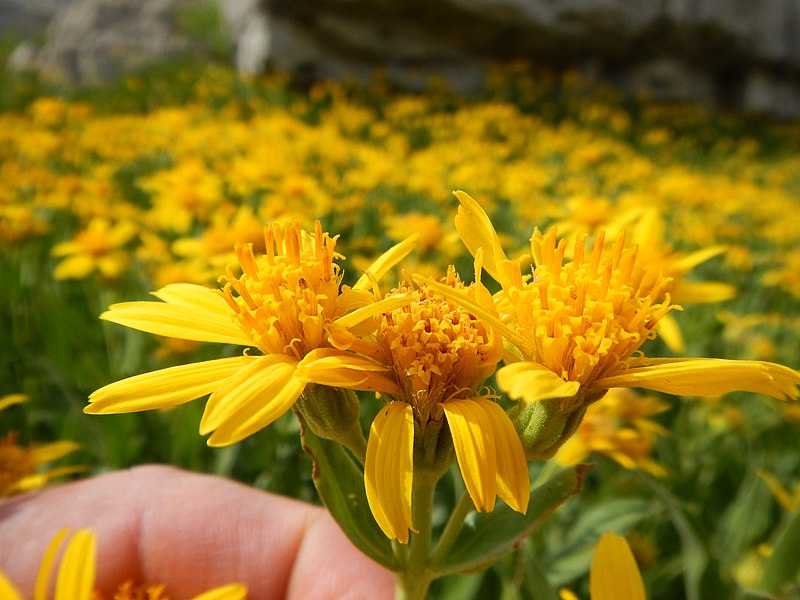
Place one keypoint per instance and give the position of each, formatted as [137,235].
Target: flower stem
[453,527]
[413,582]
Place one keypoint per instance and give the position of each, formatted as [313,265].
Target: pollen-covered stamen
[283,301]
[586,317]
[438,350]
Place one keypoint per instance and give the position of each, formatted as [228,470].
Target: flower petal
[614,574]
[7,590]
[75,579]
[53,451]
[701,292]
[532,382]
[477,231]
[40,591]
[708,377]
[473,441]
[232,591]
[164,388]
[386,261]
[11,400]
[339,368]
[251,399]
[513,480]
[194,296]
[177,321]
[388,469]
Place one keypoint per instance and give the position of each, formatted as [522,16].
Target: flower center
[285,299]
[438,350]
[585,318]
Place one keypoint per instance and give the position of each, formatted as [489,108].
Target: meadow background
[110,192]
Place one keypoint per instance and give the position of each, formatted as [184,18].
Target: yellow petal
[701,292]
[233,591]
[513,480]
[782,495]
[388,469]
[177,321]
[669,331]
[49,452]
[708,377]
[338,368]
[194,296]
[386,261]
[75,579]
[166,387]
[251,399]
[11,400]
[614,574]
[74,267]
[532,382]
[475,450]
[7,590]
[365,312]
[41,589]
[477,231]
[690,261]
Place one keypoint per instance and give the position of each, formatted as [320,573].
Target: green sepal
[488,536]
[340,485]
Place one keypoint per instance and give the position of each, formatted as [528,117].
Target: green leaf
[486,537]
[340,485]
[782,565]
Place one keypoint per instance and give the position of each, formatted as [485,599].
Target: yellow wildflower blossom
[577,328]
[98,247]
[438,355]
[75,577]
[283,304]
[21,467]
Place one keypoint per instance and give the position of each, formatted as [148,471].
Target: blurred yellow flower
[76,574]
[21,467]
[283,304]
[98,247]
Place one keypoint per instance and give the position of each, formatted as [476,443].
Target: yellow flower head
[283,303]
[285,299]
[75,576]
[98,247]
[21,466]
[439,356]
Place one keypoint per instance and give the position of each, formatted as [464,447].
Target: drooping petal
[475,450]
[251,399]
[11,400]
[388,470]
[339,368]
[708,377]
[691,260]
[513,480]
[42,587]
[232,591]
[669,331]
[614,574]
[477,231]
[177,321]
[75,579]
[166,387]
[701,292]
[532,382]
[7,590]
[386,261]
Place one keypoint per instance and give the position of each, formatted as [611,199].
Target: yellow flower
[283,304]
[578,326]
[439,356]
[76,574]
[614,574]
[620,428]
[95,248]
[21,466]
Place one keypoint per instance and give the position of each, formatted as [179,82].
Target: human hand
[190,532]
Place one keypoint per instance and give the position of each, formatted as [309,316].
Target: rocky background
[739,54]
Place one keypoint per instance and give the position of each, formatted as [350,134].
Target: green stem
[413,582]
[453,527]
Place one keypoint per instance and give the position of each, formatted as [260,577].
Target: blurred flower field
[109,193]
